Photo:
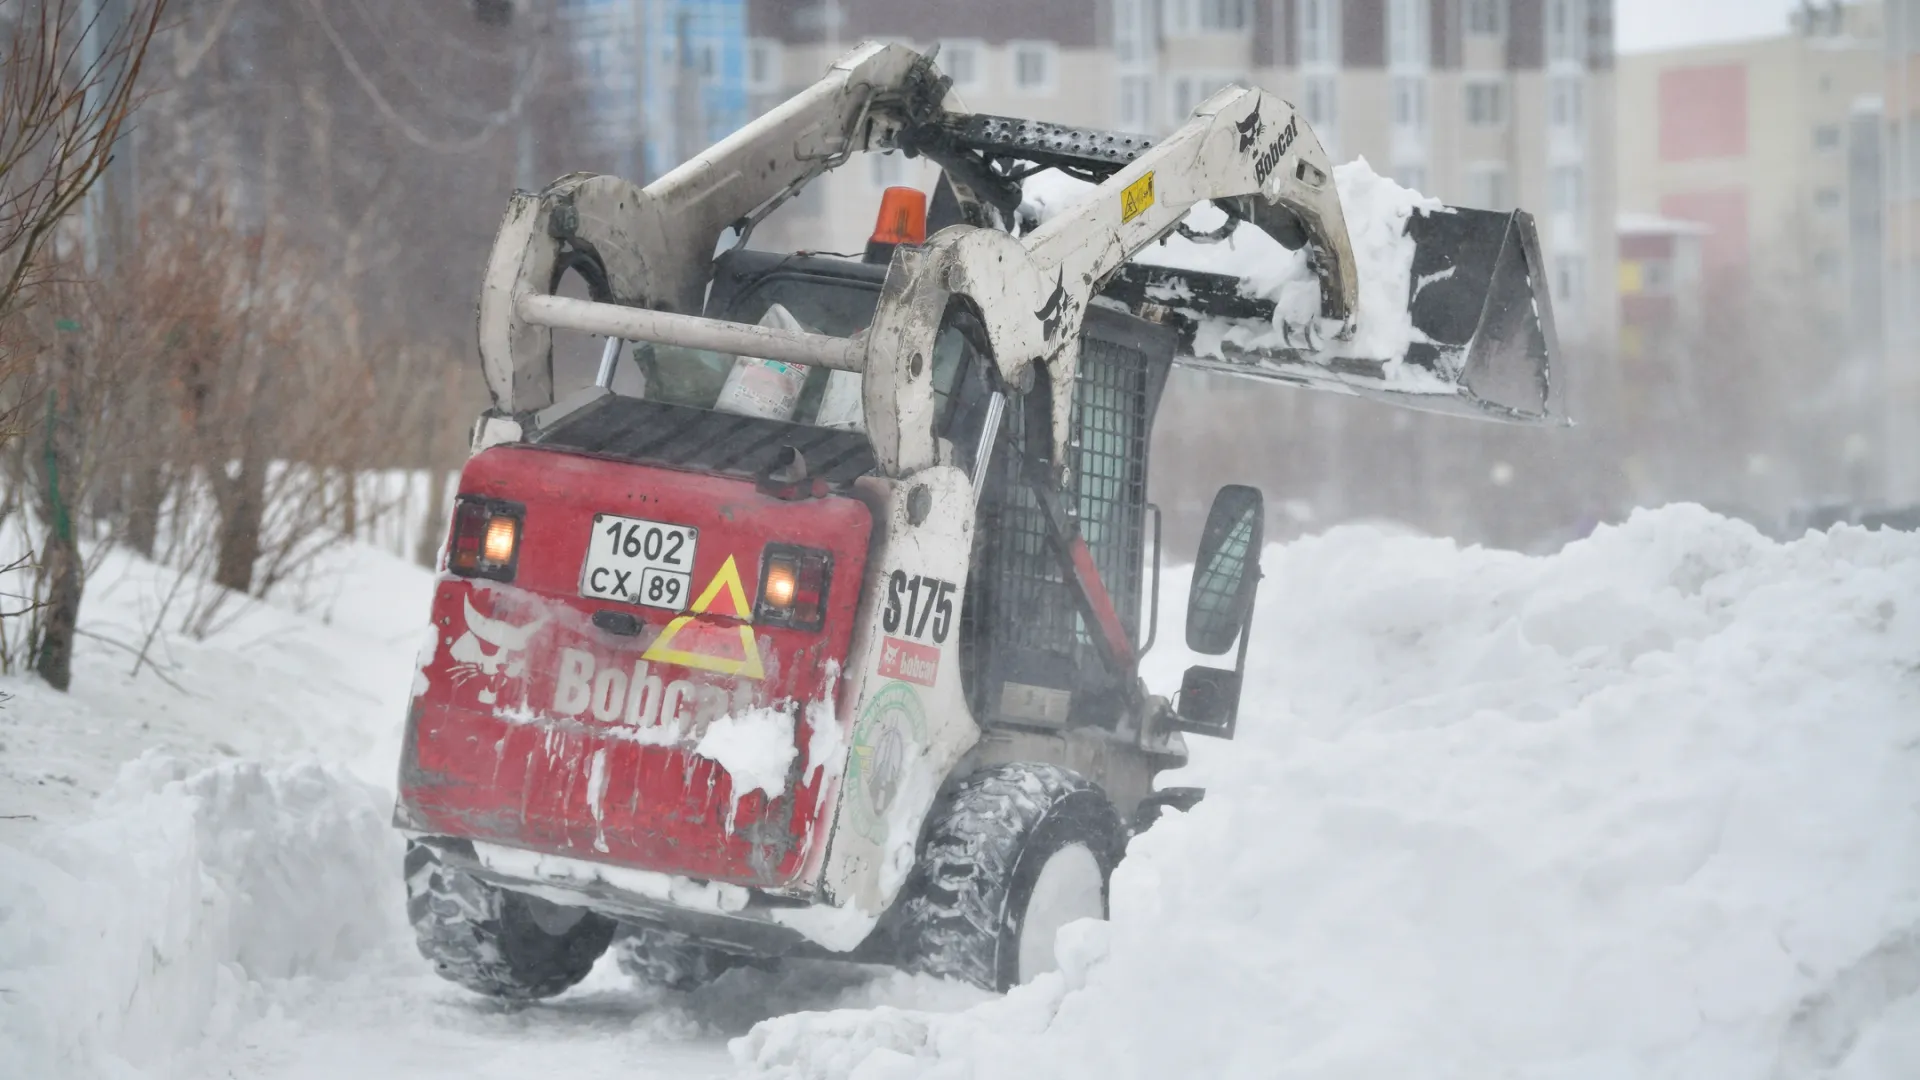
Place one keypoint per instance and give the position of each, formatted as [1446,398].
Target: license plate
[639,562]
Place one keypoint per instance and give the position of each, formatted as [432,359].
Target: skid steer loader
[826,641]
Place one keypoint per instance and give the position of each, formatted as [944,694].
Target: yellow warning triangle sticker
[696,653]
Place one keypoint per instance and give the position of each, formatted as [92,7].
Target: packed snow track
[1649,807]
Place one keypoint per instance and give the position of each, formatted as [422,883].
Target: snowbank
[1645,808]
[180,842]
[144,932]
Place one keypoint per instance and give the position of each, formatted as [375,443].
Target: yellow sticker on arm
[1135,198]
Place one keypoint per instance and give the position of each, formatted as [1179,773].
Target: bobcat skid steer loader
[826,642]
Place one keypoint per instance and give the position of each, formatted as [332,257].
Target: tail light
[793,587]
[486,538]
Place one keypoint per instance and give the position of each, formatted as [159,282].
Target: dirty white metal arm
[694,332]
[653,247]
[1244,149]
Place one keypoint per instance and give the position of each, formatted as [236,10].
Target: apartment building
[1902,249]
[1772,145]
[1051,61]
[1491,103]
[659,80]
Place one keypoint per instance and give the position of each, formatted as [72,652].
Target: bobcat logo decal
[1250,129]
[1051,312]
[505,664]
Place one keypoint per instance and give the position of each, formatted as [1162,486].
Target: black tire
[653,957]
[495,942]
[984,845]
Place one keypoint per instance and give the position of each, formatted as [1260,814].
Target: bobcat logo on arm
[1250,128]
[505,664]
[1055,307]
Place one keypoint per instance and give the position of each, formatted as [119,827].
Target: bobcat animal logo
[1250,129]
[1055,307]
[506,663]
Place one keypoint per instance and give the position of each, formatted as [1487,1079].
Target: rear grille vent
[702,440]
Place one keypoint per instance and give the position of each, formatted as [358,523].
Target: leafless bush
[265,405]
[67,87]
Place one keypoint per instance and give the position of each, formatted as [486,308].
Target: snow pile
[1645,808]
[140,934]
[1377,211]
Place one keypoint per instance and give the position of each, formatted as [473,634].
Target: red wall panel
[1703,112]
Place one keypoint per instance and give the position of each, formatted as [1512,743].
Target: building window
[1136,102]
[1408,40]
[1410,102]
[1322,104]
[1486,103]
[1827,199]
[961,61]
[1566,31]
[1183,18]
[763,65]
[1826,265]
[1487,18]
[1033,64]
[1132,31]
[1319,32]
[1568,107]
[1826,137]
[1569,183]
[1569,278]
[1412,177]
[1186,92]
[888,169]
[1907,162]
[1487,187]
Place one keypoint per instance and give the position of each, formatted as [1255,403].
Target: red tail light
[486,538]
[793,587]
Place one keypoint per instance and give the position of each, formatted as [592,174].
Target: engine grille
[706,441]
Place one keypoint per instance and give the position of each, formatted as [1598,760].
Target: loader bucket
[1483,343]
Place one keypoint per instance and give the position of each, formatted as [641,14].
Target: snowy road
[1649,807]
[414,1026]
[418,1027]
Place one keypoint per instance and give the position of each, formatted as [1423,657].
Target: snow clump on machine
[1643,808]
[756,748]
[1377,211]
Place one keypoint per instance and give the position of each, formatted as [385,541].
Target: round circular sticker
[891,728]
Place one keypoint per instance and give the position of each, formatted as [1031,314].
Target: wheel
[1011,854]
[495,942]
[655,957]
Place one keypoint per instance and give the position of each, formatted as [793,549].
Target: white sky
[1643,25]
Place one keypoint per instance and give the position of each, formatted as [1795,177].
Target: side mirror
[1226,574]
[1226,569]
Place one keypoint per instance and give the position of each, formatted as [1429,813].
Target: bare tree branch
[63,106]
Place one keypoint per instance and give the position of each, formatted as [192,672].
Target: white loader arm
[653,247]
[1243,149]
[1482,322]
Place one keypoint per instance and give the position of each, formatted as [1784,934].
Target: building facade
[1772,145]
[1491,103]
[1901,184]
[659,80]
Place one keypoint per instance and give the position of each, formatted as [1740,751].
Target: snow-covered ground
[1649,807]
